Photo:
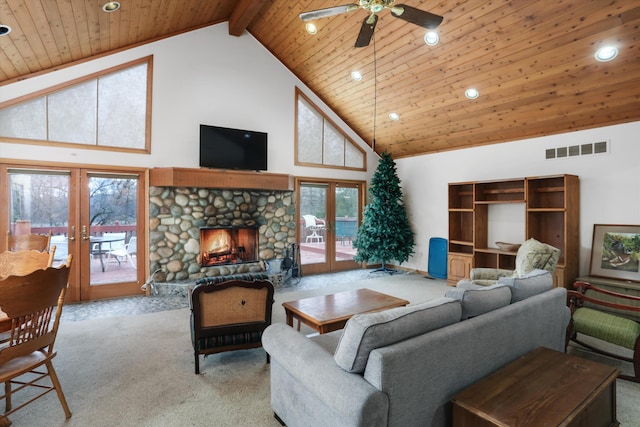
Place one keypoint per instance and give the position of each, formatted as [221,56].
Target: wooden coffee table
[328,313]
[542,388]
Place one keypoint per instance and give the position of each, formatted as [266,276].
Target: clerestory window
[109,110]
[320,143]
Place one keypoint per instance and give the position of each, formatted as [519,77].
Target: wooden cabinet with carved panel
[459,267]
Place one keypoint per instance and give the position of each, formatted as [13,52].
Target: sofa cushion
[479,301]
[368,331]
[533,255]
[535,282]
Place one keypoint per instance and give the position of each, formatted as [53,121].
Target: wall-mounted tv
[226,148]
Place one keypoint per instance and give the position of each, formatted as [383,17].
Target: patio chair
[314,229]
[123,253]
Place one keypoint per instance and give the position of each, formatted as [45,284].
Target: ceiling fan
[407,13]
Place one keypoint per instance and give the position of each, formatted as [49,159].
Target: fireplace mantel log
[224,179]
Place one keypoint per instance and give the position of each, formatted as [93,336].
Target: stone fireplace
[178,214]
[224,245]
[182,201]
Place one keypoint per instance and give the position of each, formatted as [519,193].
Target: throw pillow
[368,331]
[535,282]
[479,301]
[532,255]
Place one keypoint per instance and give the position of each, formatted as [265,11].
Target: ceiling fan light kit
[410,14]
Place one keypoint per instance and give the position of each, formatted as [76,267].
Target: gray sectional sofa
[401,367]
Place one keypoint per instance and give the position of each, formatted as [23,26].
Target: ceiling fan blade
[366,31]
[330,11]
[416,16]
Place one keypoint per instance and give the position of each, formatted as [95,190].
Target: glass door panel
[39,203]
[346,221]
[313,226]
[110,233]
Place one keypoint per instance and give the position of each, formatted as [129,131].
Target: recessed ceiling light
[394,116]
[111,6]
[606,53]
[311,29]
[471,93]
[356,75]
[431,38]
[4,30]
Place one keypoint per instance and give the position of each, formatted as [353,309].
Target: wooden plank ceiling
[532,61]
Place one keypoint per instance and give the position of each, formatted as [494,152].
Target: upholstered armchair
[228,316]
[532,255]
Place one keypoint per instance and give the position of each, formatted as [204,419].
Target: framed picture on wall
[615,252]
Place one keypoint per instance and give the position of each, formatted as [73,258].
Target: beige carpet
[138,370]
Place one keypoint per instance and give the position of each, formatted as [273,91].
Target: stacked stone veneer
[176,215]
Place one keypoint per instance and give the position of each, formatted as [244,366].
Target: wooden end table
[542,388]
[328,313]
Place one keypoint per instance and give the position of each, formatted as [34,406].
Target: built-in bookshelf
[551,216]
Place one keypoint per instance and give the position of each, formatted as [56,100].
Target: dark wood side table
[542,388]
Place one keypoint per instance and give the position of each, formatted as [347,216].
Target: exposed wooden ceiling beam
[244,12]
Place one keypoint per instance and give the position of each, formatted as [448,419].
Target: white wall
[609,183]
[204,76]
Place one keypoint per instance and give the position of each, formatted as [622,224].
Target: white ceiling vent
[577,150]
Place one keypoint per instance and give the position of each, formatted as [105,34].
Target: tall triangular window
[320,143]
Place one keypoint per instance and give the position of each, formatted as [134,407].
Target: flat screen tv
[226,148]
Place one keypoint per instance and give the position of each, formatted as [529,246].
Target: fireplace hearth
[228,245]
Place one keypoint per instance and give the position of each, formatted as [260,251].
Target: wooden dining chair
[19,263]
[21,242]
[34,305]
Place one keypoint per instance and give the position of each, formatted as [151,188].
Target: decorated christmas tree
[385,233]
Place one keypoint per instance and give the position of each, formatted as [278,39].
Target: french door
[329,214]
[96,215]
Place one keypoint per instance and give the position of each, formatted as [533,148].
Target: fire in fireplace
[228,245]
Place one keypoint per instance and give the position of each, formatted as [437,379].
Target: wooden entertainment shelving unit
[552,205]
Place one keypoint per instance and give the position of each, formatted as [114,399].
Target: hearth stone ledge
[177,213]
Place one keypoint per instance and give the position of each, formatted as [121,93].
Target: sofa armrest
[489,273]
[314,371]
